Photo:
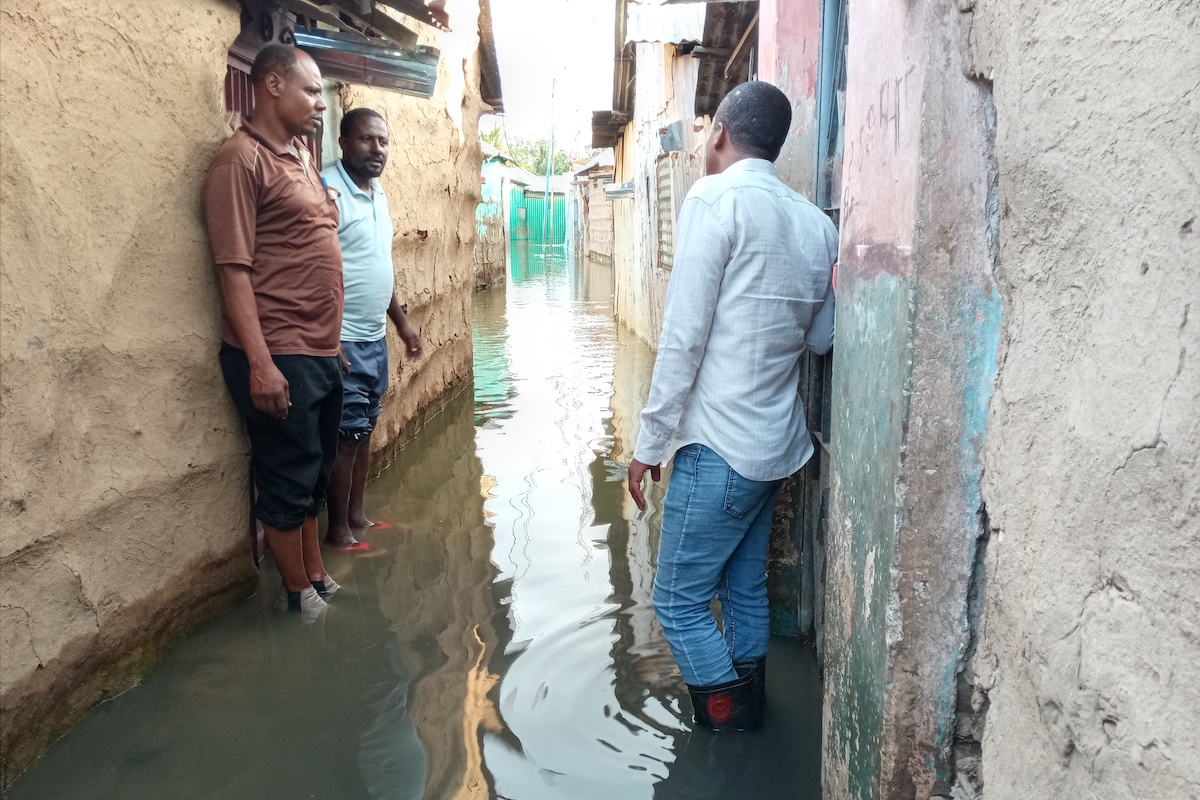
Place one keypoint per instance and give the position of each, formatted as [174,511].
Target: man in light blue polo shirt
[365,233]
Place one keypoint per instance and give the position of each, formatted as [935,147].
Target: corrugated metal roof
[671,24]
[364,43]
[605,158]
[724,26]
[343,58]
[606,127]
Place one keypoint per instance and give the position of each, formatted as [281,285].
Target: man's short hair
[351,118]
[757,116]
[277,58]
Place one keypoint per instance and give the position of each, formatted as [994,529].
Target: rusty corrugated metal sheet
[724,25]
[607,127]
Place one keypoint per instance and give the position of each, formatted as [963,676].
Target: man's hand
[637,470]
[345,362]
[412,342]
[269,391]
[408,334]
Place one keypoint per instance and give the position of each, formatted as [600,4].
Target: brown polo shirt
[267,209]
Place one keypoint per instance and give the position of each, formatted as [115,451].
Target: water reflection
[497,641]
[570,688]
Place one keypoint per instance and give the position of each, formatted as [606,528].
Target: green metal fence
[528,217]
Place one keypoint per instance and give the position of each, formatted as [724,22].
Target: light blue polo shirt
[365,233]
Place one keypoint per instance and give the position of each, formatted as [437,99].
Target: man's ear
[720,136]
[274,84]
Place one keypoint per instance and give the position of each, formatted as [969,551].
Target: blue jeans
[714,542]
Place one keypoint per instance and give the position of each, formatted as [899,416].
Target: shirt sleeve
[704,246]
[820,334]
[819,337]
[230,200]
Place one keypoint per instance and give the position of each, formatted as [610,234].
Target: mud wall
[122,464]
[122,461]
[1015,487]
[491,231]
[490,246]
[1089,653]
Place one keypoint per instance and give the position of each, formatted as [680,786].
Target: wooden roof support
[373,17]
[431,15]
[306,9]
[741,49]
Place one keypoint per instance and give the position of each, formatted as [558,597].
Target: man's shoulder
[239,149]
[713,188]
[332,172]
[707,188]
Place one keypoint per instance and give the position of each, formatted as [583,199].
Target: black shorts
[290,459]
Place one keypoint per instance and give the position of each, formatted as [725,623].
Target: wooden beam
[375,18]
[419,11]
[710,52]
[306,9]
[741,45]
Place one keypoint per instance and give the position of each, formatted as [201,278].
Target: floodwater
[497,641]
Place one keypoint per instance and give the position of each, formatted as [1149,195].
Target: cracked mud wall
[121,460]
[123,466]
[432,182]
[1090,645]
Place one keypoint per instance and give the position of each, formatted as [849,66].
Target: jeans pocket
[741,494]
[689,451]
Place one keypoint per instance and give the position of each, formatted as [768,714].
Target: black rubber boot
[758,669]
[728,706]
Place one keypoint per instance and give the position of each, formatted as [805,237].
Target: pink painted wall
[789,35]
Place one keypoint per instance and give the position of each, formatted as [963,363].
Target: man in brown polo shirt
[273,228]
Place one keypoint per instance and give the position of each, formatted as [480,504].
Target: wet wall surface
[496,641]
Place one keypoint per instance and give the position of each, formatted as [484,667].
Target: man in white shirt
[365,234]
[751,290]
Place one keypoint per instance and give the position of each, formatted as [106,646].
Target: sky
[567,43]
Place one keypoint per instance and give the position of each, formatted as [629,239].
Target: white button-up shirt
[751,289]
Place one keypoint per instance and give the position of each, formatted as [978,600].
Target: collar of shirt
[751,165]
[376,185]
[297,145]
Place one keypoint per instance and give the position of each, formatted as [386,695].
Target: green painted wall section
[870,375]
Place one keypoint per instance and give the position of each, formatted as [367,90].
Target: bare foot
[340,536]
[359,520]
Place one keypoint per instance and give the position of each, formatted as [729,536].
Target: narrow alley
[917,281]
[496,641]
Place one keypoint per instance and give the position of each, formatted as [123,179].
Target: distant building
[595,215]
[655,139]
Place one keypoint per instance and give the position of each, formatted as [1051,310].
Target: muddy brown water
[498,639]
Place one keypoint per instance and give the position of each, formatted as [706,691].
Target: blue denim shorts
[364,387]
